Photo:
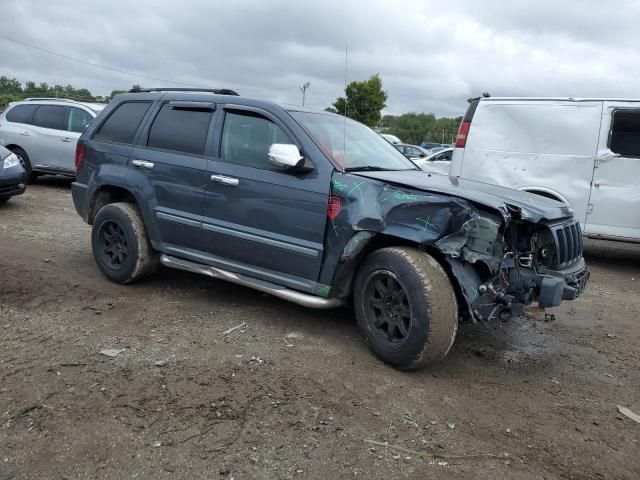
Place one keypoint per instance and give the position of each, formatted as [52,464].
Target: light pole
[303,89]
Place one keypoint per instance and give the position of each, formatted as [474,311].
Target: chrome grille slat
[568,243]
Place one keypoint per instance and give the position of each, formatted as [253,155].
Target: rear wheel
[120,244]
[406,307]
[25,161]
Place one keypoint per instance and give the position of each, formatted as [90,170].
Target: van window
[50,116]
[625,133]
[21,113]
[246,138]
[122,124]
[180,129]
[78,120]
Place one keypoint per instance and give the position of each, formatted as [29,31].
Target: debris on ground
[233,329]
[611,335]
[628,413]
[256,360]
[111,352]
[160,363]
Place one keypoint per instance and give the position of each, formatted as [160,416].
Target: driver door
[255,214]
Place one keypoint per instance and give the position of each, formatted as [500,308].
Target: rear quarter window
[21,113]
[536,128]
[121,125]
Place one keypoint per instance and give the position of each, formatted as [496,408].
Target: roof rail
[218,91]
[59,99]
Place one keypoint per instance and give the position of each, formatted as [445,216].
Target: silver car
[43,133]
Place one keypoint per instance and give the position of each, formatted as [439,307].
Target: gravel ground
[295,393]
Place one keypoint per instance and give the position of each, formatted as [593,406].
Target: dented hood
[536,207]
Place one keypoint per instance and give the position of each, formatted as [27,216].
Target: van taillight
[79,156]
[463,131]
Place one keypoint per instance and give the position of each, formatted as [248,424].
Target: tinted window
[21,113]
[246,139]
[123,122]
[625,133]
[50,116]
[78,120]
[180,129]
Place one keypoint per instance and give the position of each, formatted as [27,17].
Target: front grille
[567,238]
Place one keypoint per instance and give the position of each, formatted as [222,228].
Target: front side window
[180,129]
[625,133]
[50,116]
[351,145]
[21,113]
[78,120]
[246,138]
[122,124]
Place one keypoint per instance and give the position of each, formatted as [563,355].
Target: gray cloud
[431,55]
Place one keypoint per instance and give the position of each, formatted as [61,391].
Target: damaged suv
[319,210]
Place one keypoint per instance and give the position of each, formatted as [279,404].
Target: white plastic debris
[111,352]
[628,413]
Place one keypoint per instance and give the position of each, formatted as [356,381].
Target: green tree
[10,85]
[363,101]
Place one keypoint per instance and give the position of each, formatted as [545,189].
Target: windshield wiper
[369,168]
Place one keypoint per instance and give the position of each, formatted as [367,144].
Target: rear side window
[122,124]
[78,120]
[625,133]
[21,113]
[50,116]
[246,138]
[180,129]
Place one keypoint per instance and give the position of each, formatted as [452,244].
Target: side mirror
[285,156]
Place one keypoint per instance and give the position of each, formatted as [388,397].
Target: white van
[583,152]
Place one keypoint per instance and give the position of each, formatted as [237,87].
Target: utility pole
[303,89]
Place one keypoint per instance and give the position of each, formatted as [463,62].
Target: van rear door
[615,190]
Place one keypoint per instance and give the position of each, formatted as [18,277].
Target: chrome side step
[303,299]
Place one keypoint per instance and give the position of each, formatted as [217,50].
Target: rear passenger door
[256,215]
[615,190]
[50,145]
[170,154]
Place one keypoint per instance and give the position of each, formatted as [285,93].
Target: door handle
[25,133]
[225,180]
[65,139]
[142,164]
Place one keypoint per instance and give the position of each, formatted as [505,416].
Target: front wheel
[25,161]
[406,307]
[120,244]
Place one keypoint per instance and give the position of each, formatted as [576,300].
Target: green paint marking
[325,290]
[476,293]
[405,196]
[339,186]
[378,202]
[427,224]
[357,187]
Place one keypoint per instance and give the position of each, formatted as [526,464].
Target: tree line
[363,101]
[12,90]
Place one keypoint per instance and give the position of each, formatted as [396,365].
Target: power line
[125,72]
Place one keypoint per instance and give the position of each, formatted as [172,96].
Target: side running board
[304,299]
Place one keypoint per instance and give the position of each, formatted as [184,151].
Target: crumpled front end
[502,258]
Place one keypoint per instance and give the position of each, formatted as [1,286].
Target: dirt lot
[296,394]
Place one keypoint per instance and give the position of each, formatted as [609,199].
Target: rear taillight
[79,156]
[463,132]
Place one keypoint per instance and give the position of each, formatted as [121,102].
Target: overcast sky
[431,54]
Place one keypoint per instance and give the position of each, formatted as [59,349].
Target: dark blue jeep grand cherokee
[316,209]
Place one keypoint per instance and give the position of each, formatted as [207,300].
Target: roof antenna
[346,106]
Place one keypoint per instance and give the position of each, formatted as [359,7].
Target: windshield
[351,145]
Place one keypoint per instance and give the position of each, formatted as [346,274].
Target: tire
[120,244]
[406,307]
[26,163]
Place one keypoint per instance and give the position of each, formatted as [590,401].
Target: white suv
[43,133]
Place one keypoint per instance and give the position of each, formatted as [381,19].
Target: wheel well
[12,146]
[106,195]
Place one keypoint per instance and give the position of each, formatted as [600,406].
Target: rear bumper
[79,195]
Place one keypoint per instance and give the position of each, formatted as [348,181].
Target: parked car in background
[582,152]
[43,133]
[209,182]
[438,162]
[413,152]
[13,176]
[434,147]
[390,138]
